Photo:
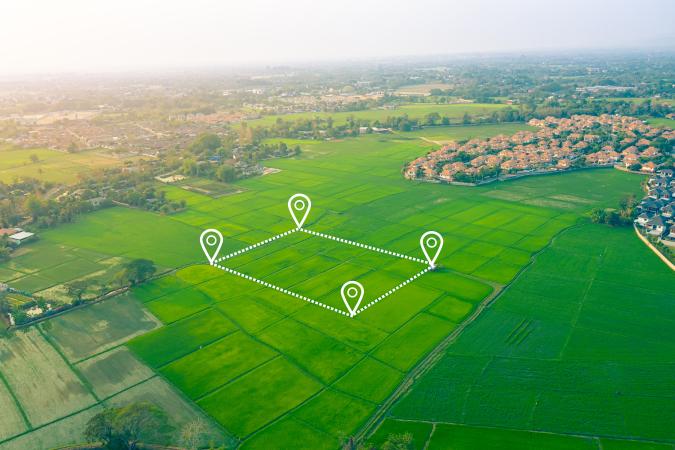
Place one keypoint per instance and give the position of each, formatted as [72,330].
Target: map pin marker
[431,242]
[211,241]
[299,206]
[352,291]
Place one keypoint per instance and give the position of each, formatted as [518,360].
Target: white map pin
[211,241]
[431,242]
[352,291]
[299,206]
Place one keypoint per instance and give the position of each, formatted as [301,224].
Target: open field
[44,267]
[581,343]
[115,321]
[413,110]
[667,101]
[662,122]
[40,378]
[289,366]
[52,165]
[441,135]
[420,89]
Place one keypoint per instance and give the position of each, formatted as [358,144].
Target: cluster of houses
[657,216]
[559,144]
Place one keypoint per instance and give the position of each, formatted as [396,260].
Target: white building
[21,237]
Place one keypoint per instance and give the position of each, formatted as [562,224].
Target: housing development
[657,209]
[560,144]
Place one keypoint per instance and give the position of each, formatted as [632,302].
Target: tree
[138,270]
[399,442]
[612,218]
[193,434]
[34,158]
[190,167]
[466,119]
[34,206]
[205,142]
[598,215]
[77,289]
[432,118]
[4,248]
[225,173]
[123,428]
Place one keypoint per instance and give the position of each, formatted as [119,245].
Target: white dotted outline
[333,238]
[366,246]
[257,244]
[392,290]
[280,289]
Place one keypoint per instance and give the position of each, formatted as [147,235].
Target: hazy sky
[101,35]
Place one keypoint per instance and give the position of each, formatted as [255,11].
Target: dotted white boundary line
[392,290]
[280,289]
[333,238]
[257,244]
[366,246]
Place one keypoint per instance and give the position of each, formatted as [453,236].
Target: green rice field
[580,344]
[269,369]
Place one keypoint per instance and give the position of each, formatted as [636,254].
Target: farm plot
[434,435]
[40,378]
[413,110]
[114,371]
[581,343]
[44,269]
[51,165]
[13,421]
[179,411]
[66,431]
[94,329]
